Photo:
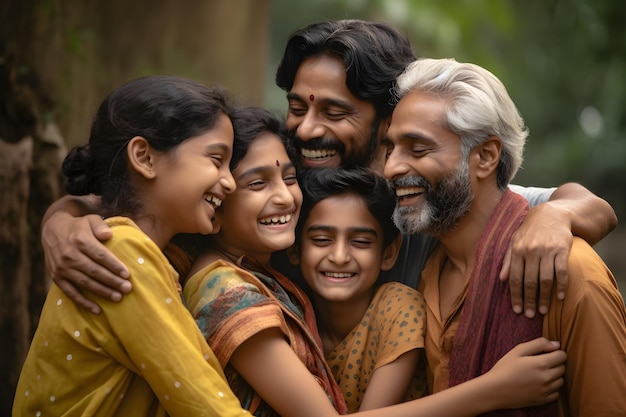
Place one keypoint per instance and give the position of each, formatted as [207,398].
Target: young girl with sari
[262,327]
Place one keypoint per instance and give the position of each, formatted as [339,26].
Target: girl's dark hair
[165,110]
[318,184]
[249,123]
[373,53]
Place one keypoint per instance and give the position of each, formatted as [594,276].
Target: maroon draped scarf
[488,327]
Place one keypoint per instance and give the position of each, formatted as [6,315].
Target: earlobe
[140,157]
[489,156]
[390,254]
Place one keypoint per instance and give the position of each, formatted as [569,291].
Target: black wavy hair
[373,53]
[165,110]
[249,123]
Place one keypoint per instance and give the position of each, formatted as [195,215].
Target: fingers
[562,278]
[555,378]
[515,270]
[99,253]
[89,269]
[554,360]
[532,273]
[75,295]
[97,262]
[531,283]
[99,228]
[536,347]
[546,281]
[77,260]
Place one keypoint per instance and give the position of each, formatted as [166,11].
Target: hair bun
[78,168]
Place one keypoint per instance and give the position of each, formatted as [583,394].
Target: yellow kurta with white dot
[143,356]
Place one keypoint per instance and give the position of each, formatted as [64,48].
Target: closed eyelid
[327,103]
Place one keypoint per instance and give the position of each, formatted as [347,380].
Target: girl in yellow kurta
[158,156]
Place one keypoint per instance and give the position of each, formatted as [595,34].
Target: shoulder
[589,278]
[586,267]
[220,271]
[397,313]
[399,291]
[394,299]
[132,246]
[220,280]
[127,233]
[534,195]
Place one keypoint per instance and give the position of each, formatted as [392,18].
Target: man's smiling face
[329,126]
[426,167]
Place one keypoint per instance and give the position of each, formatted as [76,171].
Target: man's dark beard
[443,207]
[356,159]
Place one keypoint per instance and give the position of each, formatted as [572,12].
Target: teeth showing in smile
[318,153]
[211,199]
[277,219]
[407,191]
[338,274]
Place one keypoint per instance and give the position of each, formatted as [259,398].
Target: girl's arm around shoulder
[530,374]
[521,378]
[274,371]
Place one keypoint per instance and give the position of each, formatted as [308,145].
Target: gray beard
[443,206]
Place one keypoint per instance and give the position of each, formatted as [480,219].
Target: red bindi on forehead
[311,97]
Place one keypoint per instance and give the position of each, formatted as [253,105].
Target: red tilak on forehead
[277,163]
[311,97]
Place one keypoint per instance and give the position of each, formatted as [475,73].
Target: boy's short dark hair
[318,184]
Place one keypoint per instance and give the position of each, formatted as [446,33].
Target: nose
[309,127]
[340,253]
[283,194]
[227,182]
[395,166]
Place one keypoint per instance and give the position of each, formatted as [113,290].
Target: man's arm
[75,257]
[539,250]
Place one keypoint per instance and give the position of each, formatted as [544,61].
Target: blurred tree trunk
[58,59]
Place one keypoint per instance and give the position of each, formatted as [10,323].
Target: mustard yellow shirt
[394,324]
[143,356]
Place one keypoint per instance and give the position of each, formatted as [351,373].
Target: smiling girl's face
[260,217]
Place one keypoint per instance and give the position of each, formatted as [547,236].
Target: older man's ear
[487,157]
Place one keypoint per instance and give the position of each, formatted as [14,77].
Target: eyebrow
[327,101]
[221,146]
[218,145]
[263,168]
[416,136]
[326,228]
[408,136]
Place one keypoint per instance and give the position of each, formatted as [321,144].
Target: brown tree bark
[58,59]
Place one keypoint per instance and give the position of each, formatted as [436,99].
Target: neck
[336,319]
[460,244]
[217,253]
[159,235]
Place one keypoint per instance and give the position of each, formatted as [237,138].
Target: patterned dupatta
[296,305]
[488,327]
